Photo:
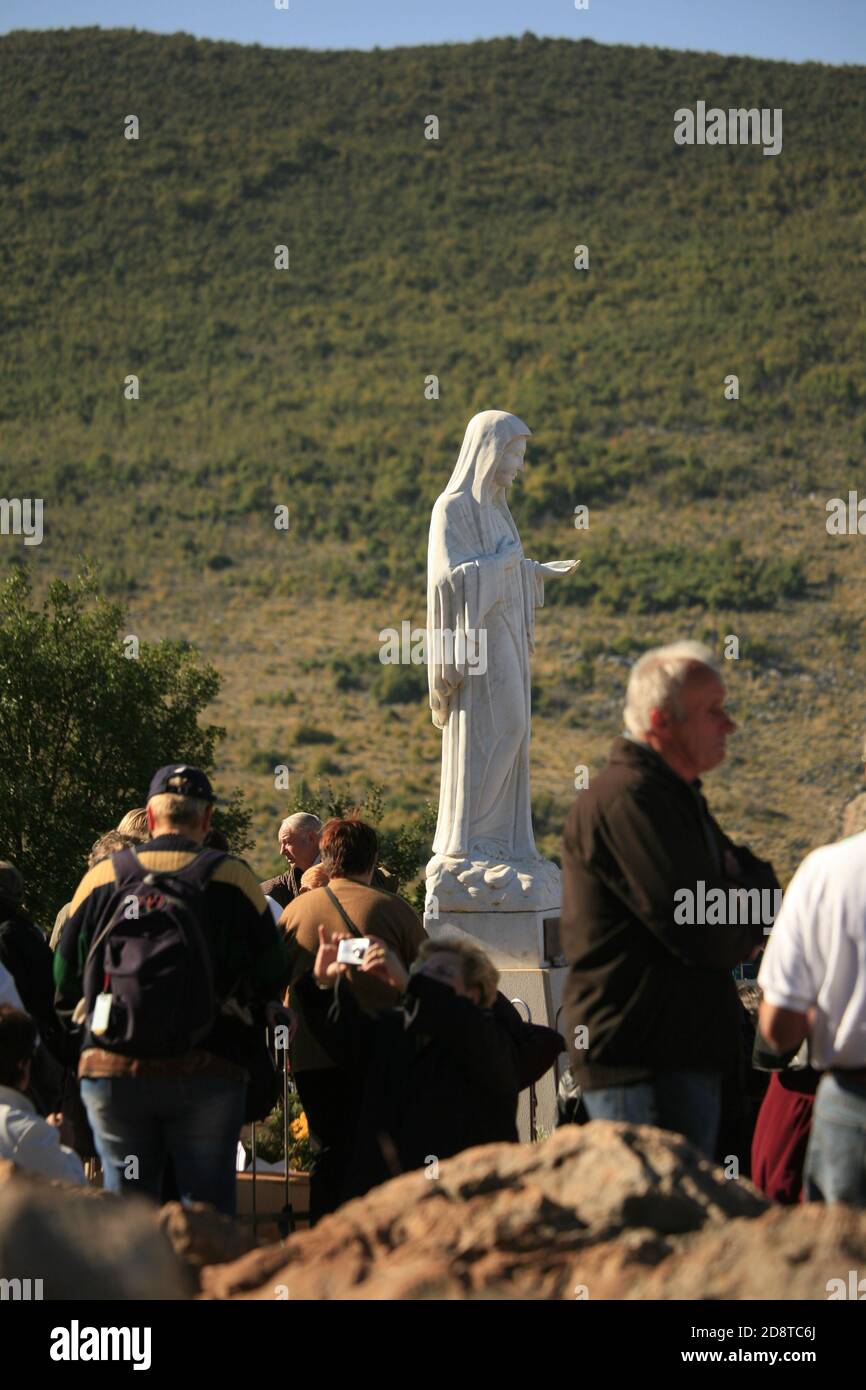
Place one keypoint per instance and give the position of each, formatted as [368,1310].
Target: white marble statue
[482,593]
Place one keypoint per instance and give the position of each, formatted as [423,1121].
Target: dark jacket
[651,993]
[434,1076]
[27,956]
[284,887]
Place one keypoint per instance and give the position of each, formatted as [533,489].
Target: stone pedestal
[524,947]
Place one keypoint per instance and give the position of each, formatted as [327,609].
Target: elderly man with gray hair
[650,1003]
[298,839]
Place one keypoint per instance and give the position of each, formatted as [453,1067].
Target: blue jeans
[688,1102]
[835,1167]
[138,1122]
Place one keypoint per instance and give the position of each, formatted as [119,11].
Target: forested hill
[410,257]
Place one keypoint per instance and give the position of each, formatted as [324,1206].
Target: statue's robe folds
[475,587]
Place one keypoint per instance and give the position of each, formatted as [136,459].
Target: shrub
[274,698]
[263,762]
[307,734]
[85,728]
[400,685]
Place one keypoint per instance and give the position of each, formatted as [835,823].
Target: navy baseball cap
[179,779]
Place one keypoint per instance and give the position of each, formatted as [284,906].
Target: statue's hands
[559,567]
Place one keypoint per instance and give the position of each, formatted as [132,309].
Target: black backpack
[152,960]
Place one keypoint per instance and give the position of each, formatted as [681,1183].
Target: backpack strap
[202,867]
[343,913]
[128,868]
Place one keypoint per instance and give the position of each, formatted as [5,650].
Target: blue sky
[829,31]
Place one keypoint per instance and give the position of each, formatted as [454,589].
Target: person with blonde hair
[131,831]
[659,905]
[134,824]
[437,1073]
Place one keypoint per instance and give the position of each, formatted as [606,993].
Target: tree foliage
[83,727]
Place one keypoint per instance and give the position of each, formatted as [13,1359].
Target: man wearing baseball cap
[188,1107]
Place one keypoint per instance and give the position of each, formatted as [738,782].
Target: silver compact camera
[353,952]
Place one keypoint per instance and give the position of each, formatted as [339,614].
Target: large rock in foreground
[84,1244]
[201,1237]
[788,1253]
[504,1220]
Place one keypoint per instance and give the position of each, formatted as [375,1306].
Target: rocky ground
[606,1211]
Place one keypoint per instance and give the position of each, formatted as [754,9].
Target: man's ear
[660,721]
[208,817]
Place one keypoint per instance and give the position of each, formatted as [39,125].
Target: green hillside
[410,257]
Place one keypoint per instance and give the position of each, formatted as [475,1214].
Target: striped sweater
[249,955]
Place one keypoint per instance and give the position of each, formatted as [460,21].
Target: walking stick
[286,1220]
[255,1209]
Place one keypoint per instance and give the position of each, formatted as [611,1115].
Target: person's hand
[555,567]
[382,963]
[55,1120]
[316,876]
[326,969]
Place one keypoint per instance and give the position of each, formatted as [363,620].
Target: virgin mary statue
[482,593]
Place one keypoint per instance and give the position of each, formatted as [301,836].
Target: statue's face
[511,463]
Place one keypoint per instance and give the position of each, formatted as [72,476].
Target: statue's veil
[487,436]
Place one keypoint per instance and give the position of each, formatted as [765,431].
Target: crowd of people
[141,1032]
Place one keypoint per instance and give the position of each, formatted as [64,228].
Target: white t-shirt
[816,954]
[32,1143]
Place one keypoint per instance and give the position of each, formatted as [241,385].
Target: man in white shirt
[29,1141]
[813,978]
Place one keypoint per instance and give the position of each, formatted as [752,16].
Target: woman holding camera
[435,1074]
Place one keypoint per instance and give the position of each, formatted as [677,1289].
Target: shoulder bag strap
[343,913]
